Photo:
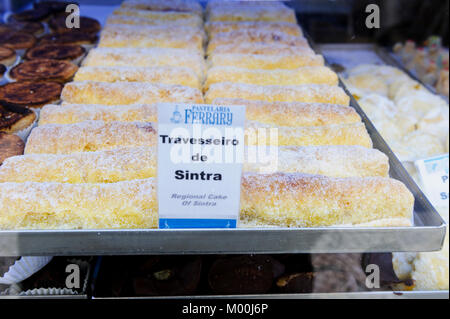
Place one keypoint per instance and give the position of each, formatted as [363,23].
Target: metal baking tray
[427,234]
[338,295]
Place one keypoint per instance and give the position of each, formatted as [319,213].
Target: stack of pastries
[91,162]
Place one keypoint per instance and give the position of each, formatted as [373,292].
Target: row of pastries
[91,162]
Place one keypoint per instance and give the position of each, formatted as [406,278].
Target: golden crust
[191,21]
[128,204]
[251,13]
[92,167]
[136,57]
[308,93]
[141,162]
[261,48]
[156,15]
[337,134]
[133,36]
[265,62]
[213,28]
[89,92]
[166,5]
[157,74]
[334,161]
[298,200]
[294,113]
[76,113]
[303,75]
[255,36]
[89,136]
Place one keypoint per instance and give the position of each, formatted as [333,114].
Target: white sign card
[434,174]
[200,155]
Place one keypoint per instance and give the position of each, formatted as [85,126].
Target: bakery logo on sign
[73,18]
[208,115]
[176,116]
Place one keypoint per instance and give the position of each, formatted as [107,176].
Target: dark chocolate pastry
[250,274]
[30,15]
[43,70]
[31,94]
[296,283]
[384,262]
[168,276]
[66,52]
[87,25]
[70,37]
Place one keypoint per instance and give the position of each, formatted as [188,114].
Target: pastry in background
[17,40]
[69,37]
[43,70]
[13,122]
[188,21]
[10,145]
[87,25]
[193,6]
[30,94]
[33,15]
[34,28]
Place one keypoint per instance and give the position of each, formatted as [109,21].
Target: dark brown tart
[87,25]
[17,40]
[12,122]
[31,94]
[66,52]
[30,15]
[72,37]
[43,70]
[10,145]
[35,28]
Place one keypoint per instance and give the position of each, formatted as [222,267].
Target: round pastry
[43,70]
[66,52]
[52,6]
[30,15]
[10,145]
[31,94]
[12,122]
[87,25]
[17,40]
[35,28]
[72,37]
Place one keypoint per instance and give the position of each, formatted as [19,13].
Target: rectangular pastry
[336,134]
[255,36]
[308,93]
[131,36]
[300,76]
[90,167]
[76,113]
[251,12]
[90,92]
[156,15]
[141,162]
[294,113]
[265,62]
[146,57]
[129,204]
[89,136]
[299,200]
[166,5]
[261,48]
[275,113]
[192,21]
[212,28]
[156,74]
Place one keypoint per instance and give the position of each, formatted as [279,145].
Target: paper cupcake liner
[51,291]
[23,134]
[24,268]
